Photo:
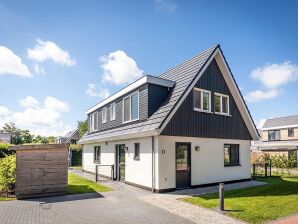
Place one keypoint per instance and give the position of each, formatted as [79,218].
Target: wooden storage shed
[41,170]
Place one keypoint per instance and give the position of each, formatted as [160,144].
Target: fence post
[254,171]
[266,167]
[221,197]
[96,174]
[112,172]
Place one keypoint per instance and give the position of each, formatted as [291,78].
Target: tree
[83,127]
[14,131]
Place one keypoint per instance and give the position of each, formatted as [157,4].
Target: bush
[4,149]
[8,173]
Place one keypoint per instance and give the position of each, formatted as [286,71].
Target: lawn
[80,185]
[260,204]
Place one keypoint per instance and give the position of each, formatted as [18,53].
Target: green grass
[6,199]
[278,198]
[80,185]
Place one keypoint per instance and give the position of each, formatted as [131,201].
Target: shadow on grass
[276,186]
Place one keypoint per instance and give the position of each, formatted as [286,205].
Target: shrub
[76,155]
[8,173]
[4,149]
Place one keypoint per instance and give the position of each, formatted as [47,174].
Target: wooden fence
[41,170]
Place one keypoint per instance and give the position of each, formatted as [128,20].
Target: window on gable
[137,151]
[221,103]
[93,122]
[273,135]
[291,132]
[131,108]
[97,154]
[104,115]
[231,155]
[113,112]
[202,100]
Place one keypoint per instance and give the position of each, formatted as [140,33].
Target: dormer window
[202,100]
[221,104]
[104,115]
[131,108]
[93,122]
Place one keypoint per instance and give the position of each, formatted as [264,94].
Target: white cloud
[260,95]
[10,63]
[39,69]
[47,50]
[29,101]
[260,123]
[166,5]
[43,119]
[275,75]
[119,68]
[94,90]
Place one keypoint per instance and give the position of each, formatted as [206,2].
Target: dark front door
[120,162]
[183,165]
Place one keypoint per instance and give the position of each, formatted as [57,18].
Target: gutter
[153,163]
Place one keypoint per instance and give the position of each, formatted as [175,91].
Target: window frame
[95,159]
[130,114]
[136,156]
[275,139]
[92,121]
[202,98]
[104,115]
[291,135]
[221,105]
[113,112]
[232,163]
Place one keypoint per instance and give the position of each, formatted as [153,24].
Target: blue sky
[59,58]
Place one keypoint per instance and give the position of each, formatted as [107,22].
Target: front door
[183,164]
[120,162]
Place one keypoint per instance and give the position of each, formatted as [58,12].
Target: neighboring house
[188,127]
[5,137]
[71,137]
[280,136]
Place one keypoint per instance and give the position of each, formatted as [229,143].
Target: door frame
[117,161]
[188,161]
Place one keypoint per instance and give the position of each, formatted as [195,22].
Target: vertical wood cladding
[187,122]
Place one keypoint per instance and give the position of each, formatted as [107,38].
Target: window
[93,122]
[273,135]
[104,115]
[231,155]
[202,100]
[113,112]
[97,154]
[131,108]
[221,103]
[137,151]
[291,132]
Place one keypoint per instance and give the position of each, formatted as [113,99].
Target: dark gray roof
[183,75]
[281,121]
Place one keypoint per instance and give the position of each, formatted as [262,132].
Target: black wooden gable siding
[187,122]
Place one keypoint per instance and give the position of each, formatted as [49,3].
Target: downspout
[153,164]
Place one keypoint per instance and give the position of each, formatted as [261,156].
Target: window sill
[226,165]
[125,122]
[204,111]
[96,162]
[223,114]
[136,158]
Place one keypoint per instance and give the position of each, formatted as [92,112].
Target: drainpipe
[153,164]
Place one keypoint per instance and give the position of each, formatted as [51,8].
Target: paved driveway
[126,204]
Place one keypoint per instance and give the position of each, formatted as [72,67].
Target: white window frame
[220,102]
[202,93]
[91,122]
[129,96]
[104,115]
[113,112]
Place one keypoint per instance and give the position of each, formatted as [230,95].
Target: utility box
[41,170]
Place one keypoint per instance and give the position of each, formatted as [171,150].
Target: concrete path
[288,220]
[125,205]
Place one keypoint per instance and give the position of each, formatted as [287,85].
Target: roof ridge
[282,117]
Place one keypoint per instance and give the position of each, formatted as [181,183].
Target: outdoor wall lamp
[126,148]
[197,148]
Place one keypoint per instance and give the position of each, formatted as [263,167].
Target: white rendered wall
[207,165]
[136,171]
